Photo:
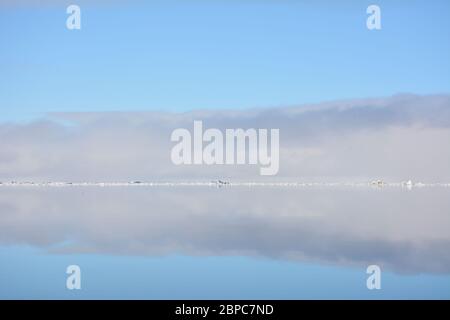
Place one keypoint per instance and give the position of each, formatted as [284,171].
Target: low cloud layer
[398,138]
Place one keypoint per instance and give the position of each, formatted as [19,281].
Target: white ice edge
[219,183]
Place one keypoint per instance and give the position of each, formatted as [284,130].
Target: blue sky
[197,54]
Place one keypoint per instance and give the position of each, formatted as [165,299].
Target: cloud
[396,138]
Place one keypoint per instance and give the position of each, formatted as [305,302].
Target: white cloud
[396,138]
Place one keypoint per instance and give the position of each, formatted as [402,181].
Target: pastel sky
[351,105]
[183,55]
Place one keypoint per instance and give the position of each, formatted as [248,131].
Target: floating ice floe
[222,183]
[378,183]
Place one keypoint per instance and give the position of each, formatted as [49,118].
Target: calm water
[232,242]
